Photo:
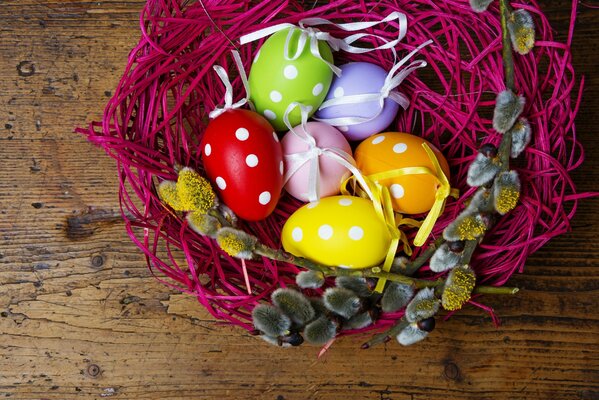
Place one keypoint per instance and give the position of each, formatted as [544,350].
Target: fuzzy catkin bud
[521,135]
[444,259]
[522,31]
[458,288]
[228,214]
[422,306]
[203,224]
[236,243]
[167,191]
[356,284]
[318,306]
[508,108]
[411,334]
[359,321]
[480,5]
[270,320]
[396,296]
[465,227]
[309,279]
[482,201]
[320,331]
[506,192]
[482,170]
[400,264]
[294,304]
[195,192]
[342,301]
[275,341]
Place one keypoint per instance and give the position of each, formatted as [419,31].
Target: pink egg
[331,172]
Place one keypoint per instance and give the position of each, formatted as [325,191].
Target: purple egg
[360,78]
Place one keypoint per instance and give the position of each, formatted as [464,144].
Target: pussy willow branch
[375,272]
[504,154]
[507,55]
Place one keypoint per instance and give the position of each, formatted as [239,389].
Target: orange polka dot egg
[338,231]
[390,151]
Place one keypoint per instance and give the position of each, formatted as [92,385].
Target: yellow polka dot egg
[338,231]
[390,151]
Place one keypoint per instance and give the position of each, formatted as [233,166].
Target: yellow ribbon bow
[381,200]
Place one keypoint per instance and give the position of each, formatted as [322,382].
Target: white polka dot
[312,205]
[339,92]
[297,234]
[345,202]
[208,149]
[325,232]
[309,109]
[378,139]
[281,167]
[290,72]
[270,114]
[343,128]
[257,56]
[251,160]
[275,137]
[397,191]
[242,134]
[400,148]
[356,233]
[317,89]
[264,198]
[220,182]
[276,96]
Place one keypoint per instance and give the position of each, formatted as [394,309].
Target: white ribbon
[394,78]
[313,35]
[297,160]
[224,77]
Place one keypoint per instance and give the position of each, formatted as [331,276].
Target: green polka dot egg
[338,231]
[276,82]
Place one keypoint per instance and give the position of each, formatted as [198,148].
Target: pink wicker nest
[158,114]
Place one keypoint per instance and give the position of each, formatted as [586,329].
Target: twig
[508,59]
[385,336]
[413,266]
[495,290]
[375,272]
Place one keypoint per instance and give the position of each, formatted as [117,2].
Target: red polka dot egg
[243,159]
[392,151]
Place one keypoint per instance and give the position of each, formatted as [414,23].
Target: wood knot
[93,370]
[25,68]
[97,261]
[451,371]
[84,225]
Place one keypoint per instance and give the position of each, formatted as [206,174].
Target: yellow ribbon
[443,191]
[381,199]
[383,205]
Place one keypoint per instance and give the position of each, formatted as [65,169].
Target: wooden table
[80,315]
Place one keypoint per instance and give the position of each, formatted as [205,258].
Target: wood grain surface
[81,317]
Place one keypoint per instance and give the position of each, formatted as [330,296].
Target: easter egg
[410,194]
[276,82]
[299,156]
[342,231]
[243,159]
[360,78]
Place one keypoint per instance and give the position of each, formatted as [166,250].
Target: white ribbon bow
[296,160]
[394,78]
[313,35]
[224,77]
